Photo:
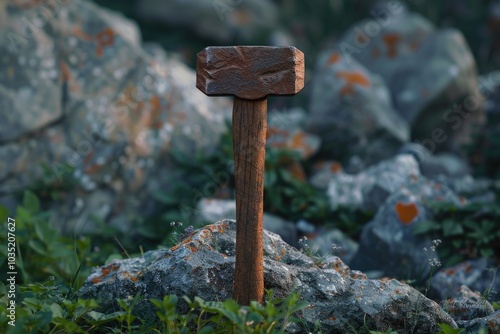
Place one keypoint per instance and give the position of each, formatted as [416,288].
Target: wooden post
[250,73]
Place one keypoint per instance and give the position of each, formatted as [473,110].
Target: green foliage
[483,153]
[288,196]
[228,316]
[351,221]
[447,329]
[389,331]
[41,251]
[470,231]
[44,308]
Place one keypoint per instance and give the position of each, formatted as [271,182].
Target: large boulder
[431,74]
[91,113]
[387,243]
[203,264]
[351,110]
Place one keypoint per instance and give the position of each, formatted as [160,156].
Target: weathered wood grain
[250,72]
[249,146]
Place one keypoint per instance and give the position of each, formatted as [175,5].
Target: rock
[388,244]
[447,164]
[284,131]
[451,170]
[324,172]
[368,190]
[220,20]
[333,242]
[203,263]
[211,209]
[478,275]
[431,74]
[351,109]
[490,88]
[98,110]
[491,323]
[467,305]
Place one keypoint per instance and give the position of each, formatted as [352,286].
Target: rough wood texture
[250,72]
[249,145]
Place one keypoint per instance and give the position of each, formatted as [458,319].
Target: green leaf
[31,202]
[270,177]
[206,330]
[425,227]
[4,213]
[68,325]
[57,311]
[451,227]
[37,246]
[487,252]
[447,329]
[101,318]
[165,198]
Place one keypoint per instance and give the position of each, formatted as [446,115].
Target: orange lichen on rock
[274,130]
[352,79]
[391,41]
[298,140]
[219,228]
[104,39]
[133,278]
[334,57]
[296,170]
[361,38]
[155,116]
[336,167]
[65,72]
[242,16]
[406,212]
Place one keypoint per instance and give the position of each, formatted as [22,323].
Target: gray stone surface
[203,263]
[478,275]
[369,189]
[491,323]
[388,244]
[467,305]
[333,242]
[285,130]
[490,87]
[212,209]
[428,72]
[352,108]
[79,90]
[220,20]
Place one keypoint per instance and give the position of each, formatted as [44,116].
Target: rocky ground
[89,108]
